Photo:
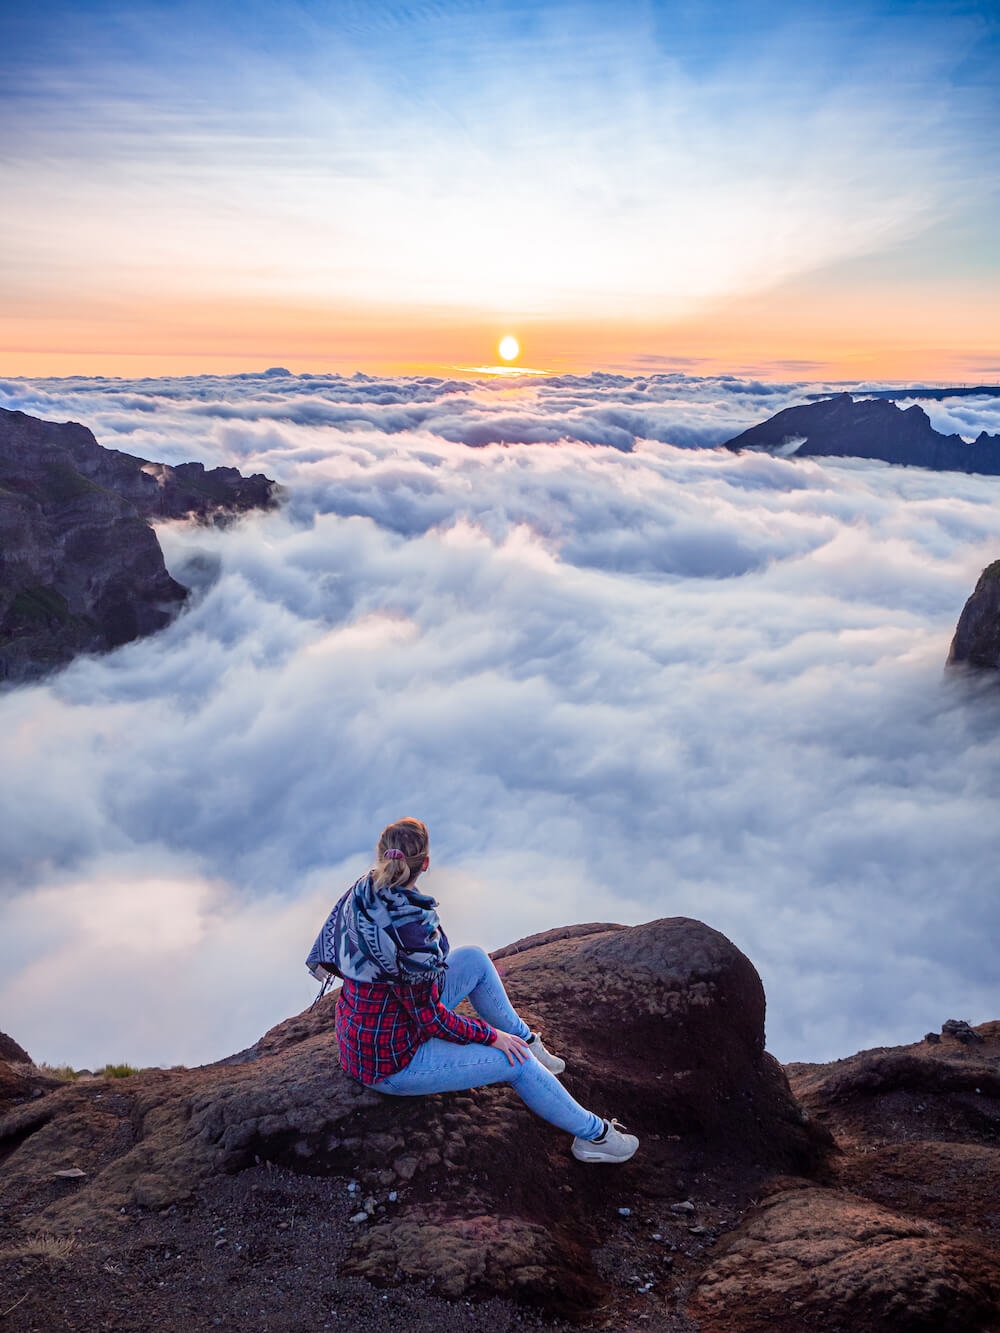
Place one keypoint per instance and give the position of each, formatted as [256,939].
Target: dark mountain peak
[844,427]
[977,636]
[81,569]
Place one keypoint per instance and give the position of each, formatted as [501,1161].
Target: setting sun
[509,348]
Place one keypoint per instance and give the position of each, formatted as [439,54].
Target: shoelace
[617,1124]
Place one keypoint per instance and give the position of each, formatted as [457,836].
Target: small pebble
[393,1196]
[219,1243]
[686,1207]
[625,1212]
[657,1236]
[360,1217]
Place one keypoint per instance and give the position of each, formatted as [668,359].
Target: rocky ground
[269,1192]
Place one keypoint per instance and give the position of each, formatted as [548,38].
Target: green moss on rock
[63,483]
[41,604]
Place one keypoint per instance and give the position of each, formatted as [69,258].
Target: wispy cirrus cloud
[645,166]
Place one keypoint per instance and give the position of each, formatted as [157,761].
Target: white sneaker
[544,1057]
[613,1146]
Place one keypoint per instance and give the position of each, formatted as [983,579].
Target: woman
[396,1023]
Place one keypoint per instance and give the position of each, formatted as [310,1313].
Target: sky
[622,674]
[778,191]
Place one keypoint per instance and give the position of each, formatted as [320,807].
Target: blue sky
[231,169]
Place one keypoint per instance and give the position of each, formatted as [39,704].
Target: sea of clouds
[622,674]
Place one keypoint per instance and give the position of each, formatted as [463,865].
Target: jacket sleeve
[421,1002]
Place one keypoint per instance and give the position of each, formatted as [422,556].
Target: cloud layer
[620,676]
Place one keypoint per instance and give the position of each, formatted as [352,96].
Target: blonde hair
[408,836]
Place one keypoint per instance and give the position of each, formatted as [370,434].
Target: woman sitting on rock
[396,1023]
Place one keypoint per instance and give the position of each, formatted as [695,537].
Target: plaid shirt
[380,1027]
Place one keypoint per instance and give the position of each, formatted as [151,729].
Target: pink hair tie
[393,854]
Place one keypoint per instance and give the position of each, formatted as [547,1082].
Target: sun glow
[509,348]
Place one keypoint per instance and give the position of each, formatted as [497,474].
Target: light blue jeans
[449,1066]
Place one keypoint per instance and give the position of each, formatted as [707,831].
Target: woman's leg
[447,1066]
[471,974]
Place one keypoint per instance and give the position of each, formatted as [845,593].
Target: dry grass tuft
[65,1073]
[54,1249]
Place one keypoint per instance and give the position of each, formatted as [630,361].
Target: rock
[834,1260]
[20,1079]
[485,1210]
[82,568]
[977,636]
[960,1028]
[877,1096]
[869,428]
[909,1239]
[12,1052]
[895,1227]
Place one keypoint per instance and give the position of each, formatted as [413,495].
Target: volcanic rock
[81,569]
[910,1237]
[661,1025]
[977,637]
[843,427]
[10,1050]
[857,1194]
[828,1259]
[19,1078]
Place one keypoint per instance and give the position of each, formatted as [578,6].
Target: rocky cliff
[271,1192]
[977,637]
[869,428]
[81,569]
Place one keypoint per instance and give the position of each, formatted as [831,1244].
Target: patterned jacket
[390,950]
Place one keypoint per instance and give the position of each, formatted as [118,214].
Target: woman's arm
[421,1002]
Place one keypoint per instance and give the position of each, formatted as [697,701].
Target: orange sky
[795,192]
[892,332]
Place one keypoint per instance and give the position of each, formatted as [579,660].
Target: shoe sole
[603,1157]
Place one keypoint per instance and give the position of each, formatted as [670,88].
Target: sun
[509,348]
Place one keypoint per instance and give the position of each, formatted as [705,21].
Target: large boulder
[661,1025]
[977,635]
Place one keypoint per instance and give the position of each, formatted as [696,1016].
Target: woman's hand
[514,1048]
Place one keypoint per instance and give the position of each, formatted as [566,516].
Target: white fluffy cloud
[620,680]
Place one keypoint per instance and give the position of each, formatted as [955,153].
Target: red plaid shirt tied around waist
[380,1026]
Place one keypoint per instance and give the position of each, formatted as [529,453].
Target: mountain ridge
[845,427]
[81,569]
